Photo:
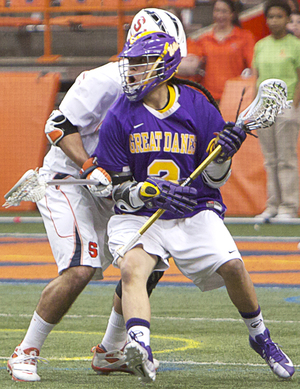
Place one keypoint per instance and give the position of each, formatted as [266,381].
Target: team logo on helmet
[155,19]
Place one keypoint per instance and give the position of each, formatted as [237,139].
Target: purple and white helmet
[160,58]
[155,19]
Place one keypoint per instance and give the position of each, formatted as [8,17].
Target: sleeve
[89,98]
[248,48]
[110,151]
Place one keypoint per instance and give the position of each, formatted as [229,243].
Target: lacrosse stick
[261,113]
[32,187]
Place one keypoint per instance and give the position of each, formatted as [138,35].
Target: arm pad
[58,126]
[126,196]
[216,174]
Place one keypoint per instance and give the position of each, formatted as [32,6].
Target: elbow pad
[216,174]
[58,126]
[126,196]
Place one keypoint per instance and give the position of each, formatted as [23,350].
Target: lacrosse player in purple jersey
[153,137]
[75,218]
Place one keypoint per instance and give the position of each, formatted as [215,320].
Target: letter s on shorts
[93,249]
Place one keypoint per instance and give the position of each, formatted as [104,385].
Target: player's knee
[131,268]
[233,269]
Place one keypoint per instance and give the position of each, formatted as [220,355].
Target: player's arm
[62,133]
[216,174]
[57,127]
[131,196]
[72,146]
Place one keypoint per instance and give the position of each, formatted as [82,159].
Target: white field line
[191,363]
[207,319]
[288,239]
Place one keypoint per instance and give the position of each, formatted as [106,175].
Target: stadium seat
[19,7]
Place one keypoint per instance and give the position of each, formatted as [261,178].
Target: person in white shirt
[75,218]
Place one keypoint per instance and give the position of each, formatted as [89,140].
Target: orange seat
[13,4]
[15,21]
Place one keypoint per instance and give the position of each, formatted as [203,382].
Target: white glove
[91,171]
[104,189]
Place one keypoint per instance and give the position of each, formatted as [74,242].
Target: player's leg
[59,295]
[241,292]
[216,261]
[136,266]
[108,356]
[68,218]
[239,285]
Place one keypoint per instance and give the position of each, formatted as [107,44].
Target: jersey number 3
[164,168]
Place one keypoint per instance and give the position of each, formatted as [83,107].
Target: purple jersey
[170,143]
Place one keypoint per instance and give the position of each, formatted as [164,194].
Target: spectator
[278,56]
[224,52]
[294,25]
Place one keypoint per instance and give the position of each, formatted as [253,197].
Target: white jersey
[85,106]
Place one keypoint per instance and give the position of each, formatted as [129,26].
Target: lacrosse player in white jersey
[75,218]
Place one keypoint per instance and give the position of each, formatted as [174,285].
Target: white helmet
[154,19]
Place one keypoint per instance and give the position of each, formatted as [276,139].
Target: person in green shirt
[278,56]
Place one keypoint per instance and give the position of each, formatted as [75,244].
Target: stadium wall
[26,101]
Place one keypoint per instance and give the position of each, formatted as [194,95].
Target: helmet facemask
[147,60]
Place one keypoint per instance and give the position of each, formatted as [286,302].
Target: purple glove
[230,139]
[159,193]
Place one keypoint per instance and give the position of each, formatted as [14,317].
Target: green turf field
[198,338]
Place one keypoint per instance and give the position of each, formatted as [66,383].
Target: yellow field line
[188,343]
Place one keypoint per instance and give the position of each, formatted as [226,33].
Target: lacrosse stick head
[30,187]
[270,100]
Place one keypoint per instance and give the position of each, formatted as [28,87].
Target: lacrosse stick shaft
[73,181]
[123,250]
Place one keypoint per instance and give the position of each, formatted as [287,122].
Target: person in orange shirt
[225,51]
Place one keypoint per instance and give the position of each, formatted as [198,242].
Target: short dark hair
[277,3]
[235,7]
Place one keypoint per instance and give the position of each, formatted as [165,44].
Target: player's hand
[230,139]
[91,171]
[159,193]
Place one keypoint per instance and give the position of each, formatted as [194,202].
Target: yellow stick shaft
[122,250]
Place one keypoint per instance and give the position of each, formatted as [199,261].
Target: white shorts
[76,224]
[199,245]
